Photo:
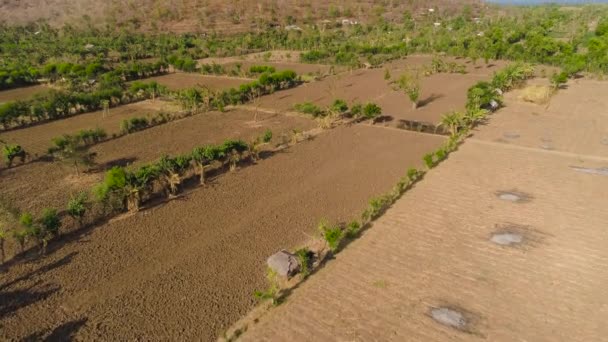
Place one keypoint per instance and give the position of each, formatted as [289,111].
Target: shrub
[77,207]
[356,110]
[413,175]
[483,95]
[50,221]
[272,293]
[339,106]
[12,151]
[353,229]
[332,234]
[258,69]
[557,79]
[304,256]
[429,160]
[309,108]
[133,125]
[372,111]
[376,207]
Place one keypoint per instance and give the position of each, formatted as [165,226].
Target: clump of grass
[538,94]
[272,293]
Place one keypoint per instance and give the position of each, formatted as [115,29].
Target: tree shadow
[44,269]
[121,162]
[429,99]
[12,301]
[384,119]
[64,332]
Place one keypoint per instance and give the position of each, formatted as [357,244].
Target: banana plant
[202,157]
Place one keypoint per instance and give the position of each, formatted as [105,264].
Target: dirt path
[186,270]
[502,242]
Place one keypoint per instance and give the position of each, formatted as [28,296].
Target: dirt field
[586,120]
[23,93]
[182,80]
[504,241]
[54,182]
[187,269]
[37,139]
[440,92]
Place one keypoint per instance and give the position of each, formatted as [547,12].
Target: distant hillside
[212,15]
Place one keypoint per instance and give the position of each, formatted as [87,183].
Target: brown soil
[567,123]
[182,80]
[37,139]
[54,182]
[23,93]
[431,269]
[187,269]
[440,92]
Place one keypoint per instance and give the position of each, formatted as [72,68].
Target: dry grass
[539,94]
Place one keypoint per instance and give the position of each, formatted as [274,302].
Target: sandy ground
[186,270]
[37,139]
[183,80]
[431,268]
[23,93]
[54,182]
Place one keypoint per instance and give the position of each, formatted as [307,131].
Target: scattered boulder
[283,263]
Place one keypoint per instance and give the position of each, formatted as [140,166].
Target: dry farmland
[199,257]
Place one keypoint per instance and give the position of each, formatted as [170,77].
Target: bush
[12,151]
[133,125]
[258,69]
[77,207]
[557,79]
[332,234]
[339,106]
[50,221]
[372,111]
[304,256]
[309,108]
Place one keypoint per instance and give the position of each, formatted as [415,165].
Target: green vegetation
[309,108]
[410,85]
[12,151]
[332,234]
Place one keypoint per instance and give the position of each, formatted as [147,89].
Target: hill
[213,15]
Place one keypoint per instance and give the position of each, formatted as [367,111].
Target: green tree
[410,84]
[77,207]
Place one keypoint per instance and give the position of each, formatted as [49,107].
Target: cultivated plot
[37,139]
[200,258]
[566,123]
[53,183]
[181,80]
[23,93]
